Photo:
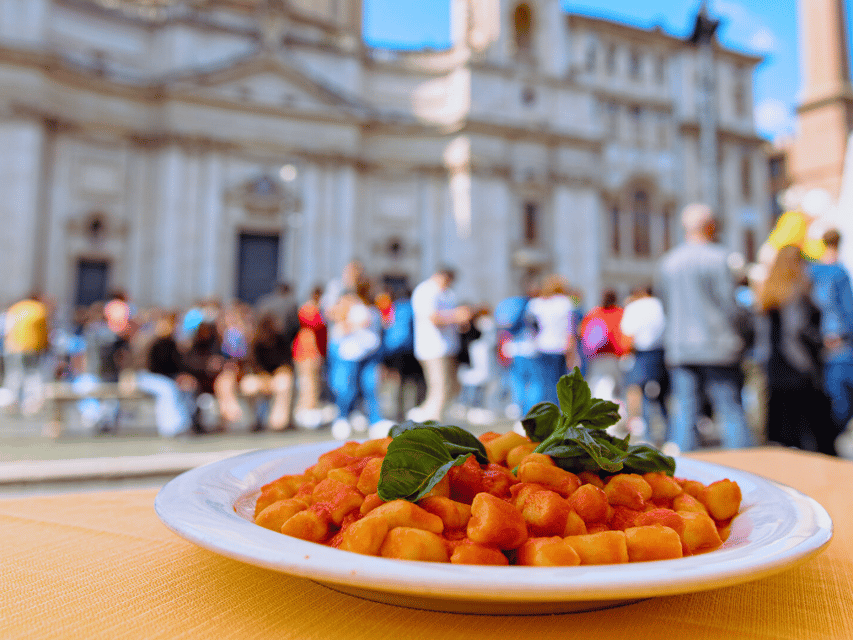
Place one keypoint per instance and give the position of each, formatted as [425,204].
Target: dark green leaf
[598,450]
[397,429]
[599,414]
[541,421]
[458,440]
[416,461]
[642,458]
[574,394]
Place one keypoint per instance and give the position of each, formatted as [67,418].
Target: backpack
[510,315]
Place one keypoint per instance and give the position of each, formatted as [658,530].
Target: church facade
[183,150]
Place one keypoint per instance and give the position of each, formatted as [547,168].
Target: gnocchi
[485,514]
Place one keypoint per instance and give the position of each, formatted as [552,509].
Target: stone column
[19,171]
[212,215]
[169,243]
[312,269]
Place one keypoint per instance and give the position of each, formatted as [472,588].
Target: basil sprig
[574,434]
[420,455]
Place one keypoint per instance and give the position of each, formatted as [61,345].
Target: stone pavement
[79,460]
[135,457]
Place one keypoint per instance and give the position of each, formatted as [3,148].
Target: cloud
[743,27]
[774,118]
[763,41]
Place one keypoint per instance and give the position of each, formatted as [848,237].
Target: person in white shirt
[551,311]
[647,383]
[437,318]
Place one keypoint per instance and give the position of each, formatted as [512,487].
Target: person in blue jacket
[832,293]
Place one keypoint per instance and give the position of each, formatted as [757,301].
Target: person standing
[309,351]
[604,345]
[335,290]
[646,384]
[437,319]
[703,346]
[551,314]
[520,348]
[398,349]
[281,305]
[359,354]
[834,296]
[25,345]
[788,345]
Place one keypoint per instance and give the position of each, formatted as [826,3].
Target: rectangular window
[636,117]
[746,177]
[775,167]
[740,92]
[660,70]
[610,60]
[591,56]
[663,130]
[642,237]
[749,244]
[635,65]
[612,120]
[615,230]
[531,223]
[667,228]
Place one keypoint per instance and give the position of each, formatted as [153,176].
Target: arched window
[640,212]
[523,28]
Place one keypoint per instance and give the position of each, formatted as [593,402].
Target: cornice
[843,95]
[642,36]
[631,98]
[692,127]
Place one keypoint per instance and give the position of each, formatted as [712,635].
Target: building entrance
[92,282]
[257,265]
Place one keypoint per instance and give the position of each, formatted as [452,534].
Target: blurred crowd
[705,355]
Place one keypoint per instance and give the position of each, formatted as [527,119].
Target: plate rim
[184,506]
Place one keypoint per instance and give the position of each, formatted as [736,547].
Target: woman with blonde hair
[788,345]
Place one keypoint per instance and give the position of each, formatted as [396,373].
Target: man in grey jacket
[703,345]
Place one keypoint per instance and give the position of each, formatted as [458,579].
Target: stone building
[186,149]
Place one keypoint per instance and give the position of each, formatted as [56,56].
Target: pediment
[267,81]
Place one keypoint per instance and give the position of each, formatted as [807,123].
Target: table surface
[101,565]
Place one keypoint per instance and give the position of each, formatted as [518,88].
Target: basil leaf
[456,439]
[641,458]
[597,450]
[600,414]
[397,429]
[541,421]
[573,393]
[415,462]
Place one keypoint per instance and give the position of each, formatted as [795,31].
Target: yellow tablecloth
[101,565]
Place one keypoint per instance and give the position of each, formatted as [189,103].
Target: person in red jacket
[309,352]
[604,345]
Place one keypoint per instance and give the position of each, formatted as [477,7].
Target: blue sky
[766,27]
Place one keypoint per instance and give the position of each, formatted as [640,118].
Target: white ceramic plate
[212,505]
